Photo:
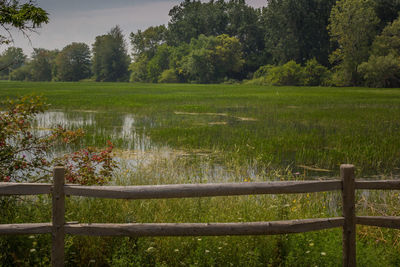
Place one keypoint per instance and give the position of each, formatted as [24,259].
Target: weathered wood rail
[58,227]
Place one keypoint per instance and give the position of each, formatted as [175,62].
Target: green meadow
[282,127]
[184,133]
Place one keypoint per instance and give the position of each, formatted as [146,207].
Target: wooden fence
[58,228]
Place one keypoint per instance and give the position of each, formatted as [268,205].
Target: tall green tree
[158,63]
[191,18]
[24,17]
[245,23]
[13,58]
[353,25]
[42,64]
[147,41]
[388,42]
[296,30]
[211,59]
[110,58]
[73,63]
[383,66]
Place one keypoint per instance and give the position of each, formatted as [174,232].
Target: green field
[277,126]
[186,133]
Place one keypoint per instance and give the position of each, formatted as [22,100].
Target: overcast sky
[82,20]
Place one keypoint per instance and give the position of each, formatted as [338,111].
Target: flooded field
[120,128]
[134,148]
[170,134]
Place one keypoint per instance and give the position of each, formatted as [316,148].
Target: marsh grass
[290,126]
[375,246]
[194,134]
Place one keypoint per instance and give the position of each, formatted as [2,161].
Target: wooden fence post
[349,227]
[58,218]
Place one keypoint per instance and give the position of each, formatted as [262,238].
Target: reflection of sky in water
[50,119]
[135,150]
[120,128]
[135,140]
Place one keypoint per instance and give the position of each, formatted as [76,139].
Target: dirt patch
[246,119]
[215,114]
[199,114]
[218,123]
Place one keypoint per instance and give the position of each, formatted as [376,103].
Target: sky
[83,20]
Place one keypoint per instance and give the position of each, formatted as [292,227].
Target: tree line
[287,42]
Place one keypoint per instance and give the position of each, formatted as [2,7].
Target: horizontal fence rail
[201,190]
[82,229]
[58,227]
[204,229]
[25,228]
[194,190]
[8,189]
[380,221]
[378,185]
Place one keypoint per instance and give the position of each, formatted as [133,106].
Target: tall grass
[221,133]
[323,248]
[285,126]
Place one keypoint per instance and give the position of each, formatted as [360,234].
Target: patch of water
[121,128]
[51,119]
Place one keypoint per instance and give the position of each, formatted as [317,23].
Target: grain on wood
[8,189]
[205,229]
[380,221]
[378,185]
[349,227]
[202,190]
[25,228]
[58,218]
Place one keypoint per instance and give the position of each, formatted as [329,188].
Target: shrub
[262,71]
[289,74]
[338,77]
[168,76]
[138,70]
[257,81]
[381,71]
[23,73]
[314,73]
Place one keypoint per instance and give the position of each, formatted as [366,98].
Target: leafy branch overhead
[24,17]
[26,155]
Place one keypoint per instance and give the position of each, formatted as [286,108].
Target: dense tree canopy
[353,24]
[383,66]
[12,58]
[387,11]
[110,58]
[146,42]
[216,41]
[73,62]
[42,64]
[388,42]
[213,58]
[192,18]
[296,30]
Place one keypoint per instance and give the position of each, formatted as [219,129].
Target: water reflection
[124,130]
[51,119]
